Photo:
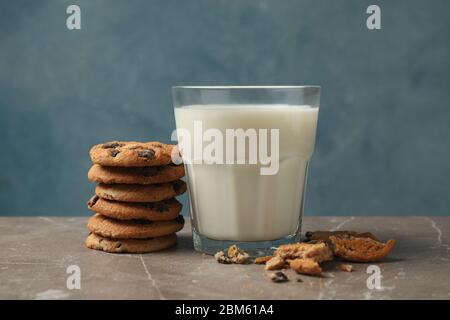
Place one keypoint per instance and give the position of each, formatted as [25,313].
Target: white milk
[237,203]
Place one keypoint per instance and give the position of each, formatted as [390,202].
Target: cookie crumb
[346,267]
[221,258]
[232,255]
[262,260]
[278,277]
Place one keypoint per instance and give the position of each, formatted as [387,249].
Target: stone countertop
[36,252]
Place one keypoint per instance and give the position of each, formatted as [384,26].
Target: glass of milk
[246,151]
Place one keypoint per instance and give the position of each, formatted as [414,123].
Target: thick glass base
[253,248]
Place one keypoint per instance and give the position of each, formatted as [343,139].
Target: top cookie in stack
[134,201]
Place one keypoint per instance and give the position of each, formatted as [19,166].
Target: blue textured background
[384,126]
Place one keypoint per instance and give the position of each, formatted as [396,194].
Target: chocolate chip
[147,154]
[179,219]
[92,201]
[114,152]
[299,280]
[278,277]
[111,145]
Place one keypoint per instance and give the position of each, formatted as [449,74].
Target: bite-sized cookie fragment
[346,267]
[360,249]
[136,229]
[278,277]
[135,175]
[325,235]
[221,257]
[318,252]
[140,192]
[97,242]
[276,263]
[232,255]
[131,154]
[153,211]
[305,266]
[262,260]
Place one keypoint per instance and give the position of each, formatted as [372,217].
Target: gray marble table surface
[37,252]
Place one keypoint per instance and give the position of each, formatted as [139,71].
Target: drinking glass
[246,151]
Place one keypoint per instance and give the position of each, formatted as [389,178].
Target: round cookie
[97,242]
[135,175]
[154,211]
[131,154]
[135,229]
[140,192]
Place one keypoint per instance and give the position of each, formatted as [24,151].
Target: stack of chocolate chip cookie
[134,202]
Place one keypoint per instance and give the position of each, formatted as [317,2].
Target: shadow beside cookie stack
[134,202]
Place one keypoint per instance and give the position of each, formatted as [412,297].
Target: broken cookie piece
[359,249]
[222,258]
[276,263]
[262,260]
[232,255]
[346,267]
[317,252]
[305,266]
[325,235]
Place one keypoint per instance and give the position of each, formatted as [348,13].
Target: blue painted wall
[384,127]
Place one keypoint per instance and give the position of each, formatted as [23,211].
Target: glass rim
[248,87]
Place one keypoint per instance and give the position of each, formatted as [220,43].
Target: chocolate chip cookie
[133,229]
[140,192]
[135,175]
[131,154]
[97,242]
[154,211]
